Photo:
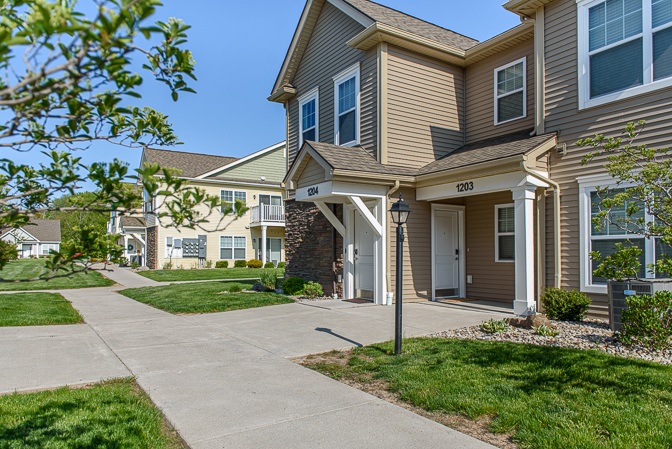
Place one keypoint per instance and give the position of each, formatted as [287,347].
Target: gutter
[556,218]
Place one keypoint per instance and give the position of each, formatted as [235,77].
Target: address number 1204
[465,186]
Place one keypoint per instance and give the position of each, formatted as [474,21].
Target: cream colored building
[258,234]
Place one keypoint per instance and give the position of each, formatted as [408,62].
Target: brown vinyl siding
[494,281]
[564,116]
[313,173]
[326,56]
[480,102]
[425,117]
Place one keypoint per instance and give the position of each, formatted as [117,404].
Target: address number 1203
[465,186]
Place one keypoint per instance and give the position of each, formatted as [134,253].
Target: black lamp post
[400,212]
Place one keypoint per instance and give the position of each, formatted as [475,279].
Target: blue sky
[238,48]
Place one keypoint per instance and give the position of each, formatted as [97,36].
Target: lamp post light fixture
[400,212]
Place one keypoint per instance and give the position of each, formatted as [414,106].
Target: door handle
[356,252]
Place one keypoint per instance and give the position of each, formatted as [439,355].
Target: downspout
[556,219]
[539,72]
[388,253]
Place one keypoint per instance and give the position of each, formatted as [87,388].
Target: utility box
[202,246]
[619,292]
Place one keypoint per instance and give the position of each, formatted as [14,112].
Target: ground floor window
[232,247]
[505,233]
[47,248]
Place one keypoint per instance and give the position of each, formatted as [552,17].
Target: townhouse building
[478,137]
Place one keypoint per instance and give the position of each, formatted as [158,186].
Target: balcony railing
[267,213]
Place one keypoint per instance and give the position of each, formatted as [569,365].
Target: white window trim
[497,233]
[584,58]
[307,98]
[587,185]
[233,247]
[524,89]
[234,196]
[339,79]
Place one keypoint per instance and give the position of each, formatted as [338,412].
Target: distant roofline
[244,159]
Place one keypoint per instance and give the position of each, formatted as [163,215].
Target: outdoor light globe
[400,211]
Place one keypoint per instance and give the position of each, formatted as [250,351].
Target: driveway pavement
[224,381]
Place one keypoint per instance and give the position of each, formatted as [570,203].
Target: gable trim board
[242,160]
[11,231]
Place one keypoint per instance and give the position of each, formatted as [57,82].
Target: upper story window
[113,217]
[228,196]
[625,49]
[346,96]
[309,117]
[510,95]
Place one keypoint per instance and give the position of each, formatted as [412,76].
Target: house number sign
[465,186]
[313,191]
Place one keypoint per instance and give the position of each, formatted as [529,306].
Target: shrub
[222,264]
[269,265]
[240,264]
[313,290]
[167,266]
[269,278]
[493,326]
[281,265]
[254,263]
[293,286]
[135,265]
[565,305]
[208,264]
[235,288]
[648,320]
[546,331]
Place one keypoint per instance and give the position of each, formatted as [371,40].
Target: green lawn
[31,268]
[206,275]
[546,397]
[203,297]
[114,414]
[36,309]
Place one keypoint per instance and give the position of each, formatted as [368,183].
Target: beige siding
[480,103]
[313,173]
[270,165]
[326,56]
[491,280]
[425,98]
[214,228]
[563,116]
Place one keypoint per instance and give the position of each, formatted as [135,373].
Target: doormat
[358,301]
[457,300]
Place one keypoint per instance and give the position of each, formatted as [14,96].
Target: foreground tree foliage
[66,75]
[643,184]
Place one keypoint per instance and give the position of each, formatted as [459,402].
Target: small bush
[648,320]
[167,266]
[565,305]
[546,331]
[313,290]
[135,265]
[235,288]
[240,264]
[222,264]
[208,264]
[281,265]
[268,278]
[293,286]
[493,326]
[254,263]
[269,265]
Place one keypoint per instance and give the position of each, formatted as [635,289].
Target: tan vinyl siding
[270,165]
[326,56]
[563,116]
[425,117]
[480,103]
[492,280]
[313,173]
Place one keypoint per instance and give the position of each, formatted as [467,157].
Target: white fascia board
[477,186]
[355,14]
[243,160]
[226,182]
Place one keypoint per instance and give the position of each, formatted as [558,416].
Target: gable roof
[242,160]
[500,147]
[132,222]
[367,13]
[355,159]
[191,164]
[43,230]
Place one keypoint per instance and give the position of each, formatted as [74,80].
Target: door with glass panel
[271,208]
[274,250]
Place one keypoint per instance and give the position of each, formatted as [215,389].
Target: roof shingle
[191,164]
[356,159]
[43,230]
[132,222]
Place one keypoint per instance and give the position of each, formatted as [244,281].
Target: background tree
[74,220]
[66,74]
[643,178]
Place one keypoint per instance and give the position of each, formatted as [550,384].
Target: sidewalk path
[222,379]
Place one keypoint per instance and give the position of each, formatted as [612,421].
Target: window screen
[347,111]
[226,247]
[510,92]
[239,247]
[308,121]
[505,230]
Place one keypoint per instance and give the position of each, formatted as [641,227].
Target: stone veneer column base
[309,246]
[151,251]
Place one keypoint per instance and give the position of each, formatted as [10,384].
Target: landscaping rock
[258,287]
[529,322]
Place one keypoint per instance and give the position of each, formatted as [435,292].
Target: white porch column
[380,259]
[126,248]
[523,198]
[263,244]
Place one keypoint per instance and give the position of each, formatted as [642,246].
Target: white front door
[446,254]
[364,255]
[274,250]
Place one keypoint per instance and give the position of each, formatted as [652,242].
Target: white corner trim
[524,89]
[345,75]
[243,160]
[314,94]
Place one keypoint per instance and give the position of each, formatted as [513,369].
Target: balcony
[265,214]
